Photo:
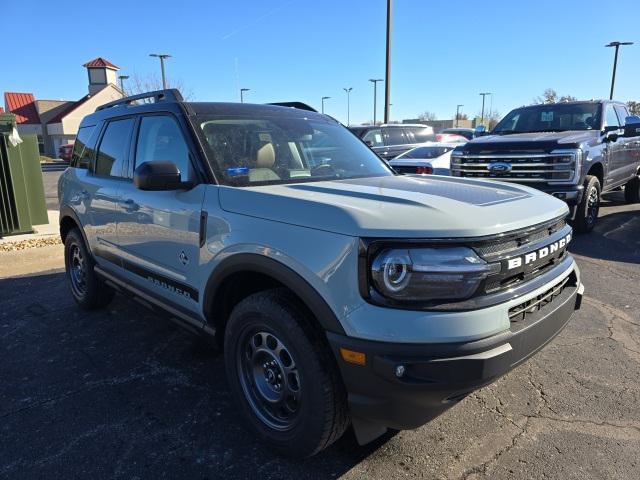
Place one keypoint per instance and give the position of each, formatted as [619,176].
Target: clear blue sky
[444,53]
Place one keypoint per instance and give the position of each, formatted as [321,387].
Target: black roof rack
[298,105]
[169,95]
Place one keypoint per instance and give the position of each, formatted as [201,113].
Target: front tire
[282,376]
[632,190]
[589,206]
[88,290]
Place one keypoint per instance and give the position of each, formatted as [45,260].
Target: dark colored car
[389,141]
[573,150]
[65,151]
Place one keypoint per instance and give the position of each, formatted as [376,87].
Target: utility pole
[323,99]
[162,57]
[387,83]
[122,78]
[615,63]
[348,90]
[242,90]
[375,95]
[484,94]
[458,113]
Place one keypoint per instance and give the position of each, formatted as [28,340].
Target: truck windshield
[266,150]
[556,117]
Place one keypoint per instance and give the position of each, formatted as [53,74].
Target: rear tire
[589,206]
[88,290]
[282,376]
[632,190]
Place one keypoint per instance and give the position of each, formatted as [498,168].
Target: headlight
[423,274]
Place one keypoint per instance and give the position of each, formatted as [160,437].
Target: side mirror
[158,175]
[480,130]
[632,126]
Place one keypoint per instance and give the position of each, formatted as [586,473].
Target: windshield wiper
[507,132]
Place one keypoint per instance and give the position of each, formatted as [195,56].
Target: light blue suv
[342,293]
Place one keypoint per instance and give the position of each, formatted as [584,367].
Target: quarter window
[82,148]
[113,148]
[160,138]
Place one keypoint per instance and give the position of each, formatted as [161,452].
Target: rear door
[396,142]
[615,150]
[630,146]
[158,231]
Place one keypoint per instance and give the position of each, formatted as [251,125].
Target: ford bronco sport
[342,293]
[575,151]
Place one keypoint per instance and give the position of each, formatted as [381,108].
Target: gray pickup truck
[575,151]
[342,293]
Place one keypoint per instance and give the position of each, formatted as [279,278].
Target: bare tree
[151,82]
[551,96]
[491,118]
[634,107]
[463,116]
[427,116]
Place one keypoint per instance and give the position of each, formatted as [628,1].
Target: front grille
[523,238]
[558,166]
[521,312]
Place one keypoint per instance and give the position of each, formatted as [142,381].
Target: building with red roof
[56,122]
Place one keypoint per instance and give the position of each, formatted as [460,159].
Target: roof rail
[168,95]
[298,105]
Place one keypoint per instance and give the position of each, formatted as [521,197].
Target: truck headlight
[423,274]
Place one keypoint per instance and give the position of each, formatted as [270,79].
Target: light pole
[484,94]
[323,99]
[348,90]
[615,63]
[122,78]
[375,95]
[242,90]
[458,113]
[162,57]
[387,83]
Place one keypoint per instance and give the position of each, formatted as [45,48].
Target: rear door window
[395,136]
[114,146]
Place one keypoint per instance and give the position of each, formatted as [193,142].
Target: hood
[543,141]
[398,206]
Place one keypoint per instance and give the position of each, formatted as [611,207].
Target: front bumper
[436,376]
[572,194]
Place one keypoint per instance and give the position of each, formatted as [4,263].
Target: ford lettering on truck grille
[539,254]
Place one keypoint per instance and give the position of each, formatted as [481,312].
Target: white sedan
[430,158]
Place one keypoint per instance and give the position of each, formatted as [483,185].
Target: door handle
[129,205]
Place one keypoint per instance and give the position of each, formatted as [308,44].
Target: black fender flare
[252,262]
[68,212]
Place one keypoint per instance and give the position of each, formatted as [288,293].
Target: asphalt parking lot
[122,394]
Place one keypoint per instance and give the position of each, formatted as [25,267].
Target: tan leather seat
[265,160]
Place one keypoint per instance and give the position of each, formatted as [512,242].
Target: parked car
[65,151]
[468,133]
[574,150]
[450,138]
[430,158]
[342,293]
[389,141]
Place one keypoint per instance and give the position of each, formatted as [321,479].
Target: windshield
[265,150]
[425,152]
[556,117]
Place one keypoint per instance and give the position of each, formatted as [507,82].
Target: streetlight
[348,90]
[375,95]
[162,57]
[122,78]
[323,99]
[484,94]
[615,63]
[242,90]
[387,83]
[458,113]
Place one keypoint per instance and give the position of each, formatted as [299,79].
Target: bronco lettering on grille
[538,254]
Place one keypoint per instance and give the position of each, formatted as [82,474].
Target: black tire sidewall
[582,223]
[632,190]
[305,436]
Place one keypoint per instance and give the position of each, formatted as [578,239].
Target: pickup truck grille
[555,167]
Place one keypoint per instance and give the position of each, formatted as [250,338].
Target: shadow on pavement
[121,393]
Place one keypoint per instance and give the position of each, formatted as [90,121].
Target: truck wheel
[87,289]
[587,211]
[632,190]
[282,376]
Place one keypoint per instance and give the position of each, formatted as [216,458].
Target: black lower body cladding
[403,386]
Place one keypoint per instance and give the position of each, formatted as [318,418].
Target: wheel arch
[68,221]
[242,274]
[597,170]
